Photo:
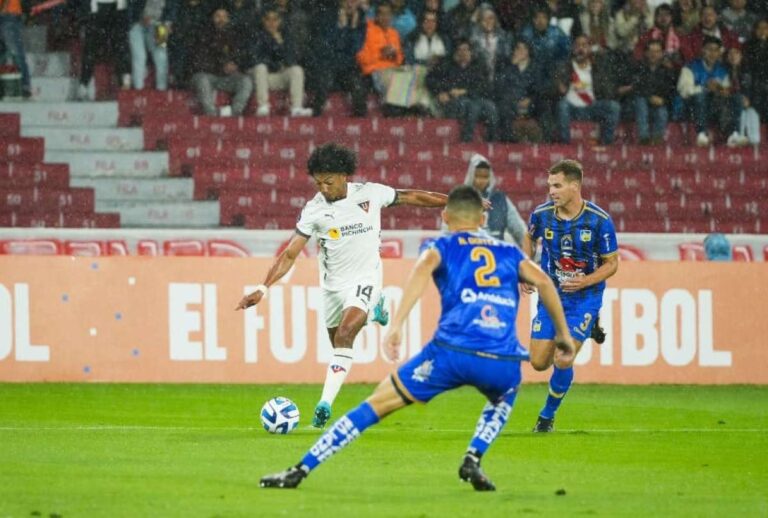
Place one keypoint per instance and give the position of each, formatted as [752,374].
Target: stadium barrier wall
[133,319]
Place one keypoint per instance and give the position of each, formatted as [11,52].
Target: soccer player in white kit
[345,217]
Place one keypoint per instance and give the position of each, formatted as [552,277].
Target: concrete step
[53,89]
[163,213]
[49,64]
[138,189]
[88,139]
[90,114]
[35,38]
[143,164]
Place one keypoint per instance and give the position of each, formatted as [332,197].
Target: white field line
[141,428]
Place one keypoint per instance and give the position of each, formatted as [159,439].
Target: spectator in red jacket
[690,46]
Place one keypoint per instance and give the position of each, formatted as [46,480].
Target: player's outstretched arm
[532,274]
[417,198]
[280,267]
[414,287]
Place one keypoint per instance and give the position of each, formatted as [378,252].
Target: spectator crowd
[522,70]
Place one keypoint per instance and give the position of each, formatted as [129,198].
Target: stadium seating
[38,194]
[150,159]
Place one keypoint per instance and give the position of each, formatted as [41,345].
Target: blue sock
[559,384]
[343,432]
[491,422]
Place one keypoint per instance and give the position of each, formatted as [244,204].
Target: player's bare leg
[384,400]
[542,358]
[342,337]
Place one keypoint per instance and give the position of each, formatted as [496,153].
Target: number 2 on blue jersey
[483,273]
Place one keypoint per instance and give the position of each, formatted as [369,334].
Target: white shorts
[364,295]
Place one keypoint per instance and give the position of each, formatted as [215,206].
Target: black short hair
[711,40]
[483,165]
[458,42]
[658,42]
[464,198]
[332,158]
[383,4]
[663,7]
[541,7]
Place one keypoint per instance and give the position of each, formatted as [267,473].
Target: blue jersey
[573,247]
[477,280]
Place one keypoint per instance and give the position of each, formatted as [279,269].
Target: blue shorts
[436,370]
[579,314]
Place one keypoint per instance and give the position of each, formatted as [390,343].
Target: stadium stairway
[112,161]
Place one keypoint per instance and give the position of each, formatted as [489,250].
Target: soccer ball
[279,415]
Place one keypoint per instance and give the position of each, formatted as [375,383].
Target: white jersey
[348,232]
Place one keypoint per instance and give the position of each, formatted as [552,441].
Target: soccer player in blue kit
[579,252]
[475,343]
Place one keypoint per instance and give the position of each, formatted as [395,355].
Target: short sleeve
[305,225]
[383,194]
[429,244]
[608,243]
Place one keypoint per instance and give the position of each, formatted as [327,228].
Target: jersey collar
[577,216]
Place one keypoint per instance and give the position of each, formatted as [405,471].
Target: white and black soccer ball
[279,415]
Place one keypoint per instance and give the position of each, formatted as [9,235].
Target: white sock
[336,374]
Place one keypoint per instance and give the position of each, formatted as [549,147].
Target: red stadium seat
[10,125]
[31,247]
[742,253]
[391,248]
[270,222]
[235,206]
[700,225]
[631,253]
[692,252]
[22,149]
[184,247]
[95,247]
[148,247]
[225,248]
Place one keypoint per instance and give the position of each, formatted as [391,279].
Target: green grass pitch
[199,450]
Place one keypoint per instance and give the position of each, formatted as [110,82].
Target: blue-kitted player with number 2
[475,343]
[579,252]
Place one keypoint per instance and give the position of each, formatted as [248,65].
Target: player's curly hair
[332,158]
